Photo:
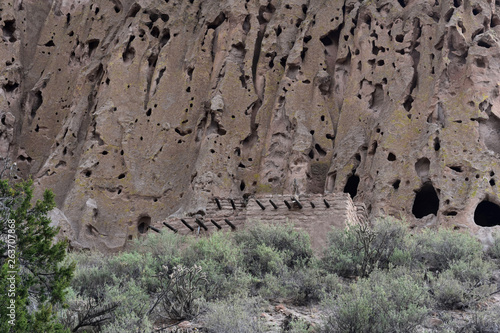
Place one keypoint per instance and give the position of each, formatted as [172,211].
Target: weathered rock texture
[132,110]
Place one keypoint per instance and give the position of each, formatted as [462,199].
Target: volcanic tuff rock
[143,109]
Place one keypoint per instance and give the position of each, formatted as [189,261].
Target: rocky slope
[140,109]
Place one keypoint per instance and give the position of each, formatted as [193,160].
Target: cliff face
[142,109]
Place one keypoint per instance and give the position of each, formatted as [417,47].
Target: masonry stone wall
[314,213]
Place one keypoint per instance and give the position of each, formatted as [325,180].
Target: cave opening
[143,224]
[351,186]
[426,201]
[487,214]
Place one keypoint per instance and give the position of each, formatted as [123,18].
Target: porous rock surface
[139,108]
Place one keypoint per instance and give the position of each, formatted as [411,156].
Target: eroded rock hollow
[132,111]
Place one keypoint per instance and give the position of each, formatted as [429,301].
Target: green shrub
[240,315]
[479,320]
[262,244]
[293,324]
[359,249]
[164,249]
[311,285]
[222,262]
[180,292]
[463,284]
[437,249]
[494,249]
[386,301]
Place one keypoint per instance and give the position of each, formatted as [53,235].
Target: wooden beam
[230,224]
[215,224]
[201,224]
[274,205]
[218,203]
[187,225]
[170,227]
[154,229]
[260,204]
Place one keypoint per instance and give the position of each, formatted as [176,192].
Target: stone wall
[314,213]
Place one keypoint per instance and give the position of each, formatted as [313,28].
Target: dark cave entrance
[143,224]
[351,186]
[426,201]
[487,214]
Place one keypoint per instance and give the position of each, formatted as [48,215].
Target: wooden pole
[187,225]
[260,204]
[230,224]
[154,229]
[170,227]
[287,204]
[218,203]
[313,205]
[274,205]
[326,203]
[232,203]
[201,224]
[298,203]
[215,224]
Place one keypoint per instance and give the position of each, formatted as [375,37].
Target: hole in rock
[484,44]
[422,167]
[10,87]
[155,32]
[396,184]
[351,186]
[320,150]
[437,144]
[8,30]
[242,185]
[487,214]
[456,168]
[93,44]
[391,157]
[143,224]
[426,201]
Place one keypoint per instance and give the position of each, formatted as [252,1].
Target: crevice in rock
[330,42]
[215,126]
[129,53]
[377,98]
[152,61]
[35,100]
[489,129]
[252,138]
[183,132]
[217,22]
[165,37]
[134,10]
